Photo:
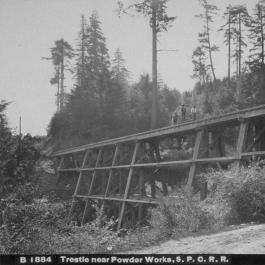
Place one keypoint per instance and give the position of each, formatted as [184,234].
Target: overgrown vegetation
[37,224]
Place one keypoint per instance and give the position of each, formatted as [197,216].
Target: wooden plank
[91,186]
[175,129]
[152,181]
[180,163]
[94,173]
[255,153]
[58,170]
[141,192]
[241,140]
[119,199]
[111,170]
[241,137]
[158,158]
[126,193]
[78,186]
[192,171]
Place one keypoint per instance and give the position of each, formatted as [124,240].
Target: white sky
[28,28]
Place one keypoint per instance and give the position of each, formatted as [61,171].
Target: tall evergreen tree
[156,12]
[61,54]
[257,53]
[204,36]
[97,62]
[228,30]
[120,73]
[200,69]
[240,20]
[81,55]
[256,36]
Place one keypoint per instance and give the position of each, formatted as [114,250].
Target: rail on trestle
[128,174]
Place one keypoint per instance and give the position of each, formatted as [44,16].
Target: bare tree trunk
[82,53]
[262,50]
[262,37]
[229,48]
[209,46]
[58,88]
[62,79]
[154,71]
[239,43]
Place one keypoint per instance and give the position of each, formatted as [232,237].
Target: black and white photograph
[132,131]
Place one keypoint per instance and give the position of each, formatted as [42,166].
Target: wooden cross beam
[78,185]
[192,172]
[91,186]
[58,170]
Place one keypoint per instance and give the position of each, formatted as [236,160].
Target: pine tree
[119,72]
[95,102]
[240,19]
[256,36]
[228,32]
[97,61]
[204,36]
[200,68]
[156,12]
[256,63]
[81,55]
[61,54]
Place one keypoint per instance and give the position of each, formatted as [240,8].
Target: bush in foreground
[236,196]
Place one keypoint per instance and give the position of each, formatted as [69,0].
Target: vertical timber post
[242,135]
[192,172]
[158,158]
[78,184]
[126,193]
[91,186]
[111,173]
[58,169]
[152,181]
[141,192]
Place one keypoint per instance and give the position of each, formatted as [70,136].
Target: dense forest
[103,103]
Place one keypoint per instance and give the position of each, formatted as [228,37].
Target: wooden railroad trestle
[124,173]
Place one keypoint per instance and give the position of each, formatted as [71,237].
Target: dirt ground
[243,239]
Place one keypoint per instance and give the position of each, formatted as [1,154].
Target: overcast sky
[28,29]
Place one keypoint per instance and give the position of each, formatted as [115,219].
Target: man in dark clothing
[183,112]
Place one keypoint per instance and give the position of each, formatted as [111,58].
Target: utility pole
[58,88]
[229,47]
[62,76]
[82,52]
[154,113]
[240,49]
[19,143]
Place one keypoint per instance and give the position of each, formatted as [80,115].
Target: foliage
[236,196]
[151,8]
[256,36]
[204,37]
[17,156]
[178,214]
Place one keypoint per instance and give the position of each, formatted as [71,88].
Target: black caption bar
[132,259]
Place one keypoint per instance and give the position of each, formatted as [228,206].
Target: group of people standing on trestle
[179,115]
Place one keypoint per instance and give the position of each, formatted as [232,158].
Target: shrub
[249,199]
[236,195]
[178,214]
